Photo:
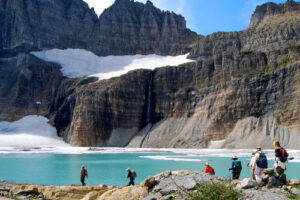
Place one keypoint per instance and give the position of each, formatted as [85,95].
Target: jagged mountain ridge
[127,27]
[238,78]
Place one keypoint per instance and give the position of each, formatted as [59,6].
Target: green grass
[296,186]
[267,70]
[285,62]
[293,196]
[295,48]
[212,191]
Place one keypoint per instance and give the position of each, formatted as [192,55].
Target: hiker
[260,163]
[281,157]
[251,163]
[236,167]
[209,169]
[131,176]
[83,174]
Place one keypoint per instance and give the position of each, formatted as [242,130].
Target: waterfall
[148,111]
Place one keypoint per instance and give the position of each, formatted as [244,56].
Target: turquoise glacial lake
[110,168]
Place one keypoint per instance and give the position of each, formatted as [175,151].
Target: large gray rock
[246,184]
[294,182]
[295,191]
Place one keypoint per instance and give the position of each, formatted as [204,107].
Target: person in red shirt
[209,169]
[83,174]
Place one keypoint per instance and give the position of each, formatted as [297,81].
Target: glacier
[77,63]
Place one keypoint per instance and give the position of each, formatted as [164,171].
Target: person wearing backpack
[236,168]
[83,174]
[260,163]
[209,169]
[131,176]
[281,157]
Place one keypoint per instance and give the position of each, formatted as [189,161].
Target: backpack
[84,172]
[212,172]
[283,155]
[262,161]
[238,166]
[134,174]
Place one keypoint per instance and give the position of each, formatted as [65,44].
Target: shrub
[295,48]
[243,53]
[285,62]
[292,196]
[213,191]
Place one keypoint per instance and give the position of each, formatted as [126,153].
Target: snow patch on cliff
[30,131]
[78,62]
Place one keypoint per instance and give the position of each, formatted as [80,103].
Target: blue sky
[204,16]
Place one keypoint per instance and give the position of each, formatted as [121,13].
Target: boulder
[165,191]
[265,177]
[125,193]
[150,182]
[26,190]
[295,191]
[269,171]
[282,179]
[93,195]
[246,184]
[294,182]
[272,180]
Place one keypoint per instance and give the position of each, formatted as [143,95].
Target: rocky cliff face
[242,86]
[127,27]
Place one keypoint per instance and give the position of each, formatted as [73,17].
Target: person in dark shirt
[236,168]
[279,165]
[130,176]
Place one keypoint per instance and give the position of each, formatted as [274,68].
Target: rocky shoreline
[167,185]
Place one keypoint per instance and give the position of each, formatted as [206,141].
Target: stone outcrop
[168,185]
[243,85]
[127,27]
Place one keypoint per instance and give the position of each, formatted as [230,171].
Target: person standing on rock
[281,157]
[209,169]
[260,163]
[131,176]
[251,163]
[83,174]
[236,168]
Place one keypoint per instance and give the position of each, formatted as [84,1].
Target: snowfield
[79,63]
[30,131]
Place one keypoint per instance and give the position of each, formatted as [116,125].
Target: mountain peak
[272,9]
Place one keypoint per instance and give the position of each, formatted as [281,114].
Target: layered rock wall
[236,76]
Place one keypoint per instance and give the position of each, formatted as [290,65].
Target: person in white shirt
[256,170]
[251,163]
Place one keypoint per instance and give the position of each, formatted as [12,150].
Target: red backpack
[283,155]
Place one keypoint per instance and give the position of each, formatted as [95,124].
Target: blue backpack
[262,161]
